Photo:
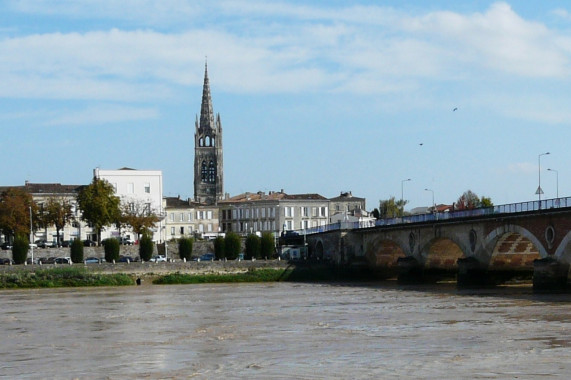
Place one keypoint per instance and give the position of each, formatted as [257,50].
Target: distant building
[345,205]
[186,218]
[273,212]
[208,157]
[139,190]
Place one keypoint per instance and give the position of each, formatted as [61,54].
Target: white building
[140,190]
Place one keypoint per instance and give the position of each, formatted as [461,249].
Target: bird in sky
[421,144]
[455,109]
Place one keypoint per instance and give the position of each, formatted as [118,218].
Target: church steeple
[206,112]
[208,168]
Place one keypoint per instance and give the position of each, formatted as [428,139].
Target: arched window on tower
[213,141]
[201,142]
[211,172]
[207,141]
[203,172]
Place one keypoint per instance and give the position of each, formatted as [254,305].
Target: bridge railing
[510,208]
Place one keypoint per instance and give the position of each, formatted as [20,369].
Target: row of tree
[391,208]
[97,201]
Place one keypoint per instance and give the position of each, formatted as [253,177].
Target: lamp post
[539,191]
[433,204]
[31,235]
[556,179]
[402,195]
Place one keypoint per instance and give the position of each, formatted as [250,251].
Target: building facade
[273,212]
[208,158]
[141,191]
[186,218]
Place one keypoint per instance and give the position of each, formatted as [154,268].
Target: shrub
[267,245]
[111,247]
[20,249]
[252,249]
[219,250]
[232,245]
[146,246]
[76,251]
[185,248]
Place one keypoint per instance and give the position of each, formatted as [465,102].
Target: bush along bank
[62,277]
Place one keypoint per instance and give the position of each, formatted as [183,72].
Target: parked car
[92,260]
[66,243]
[63,260]
[126,259]
[45,243]
[205,257]
[35,261]
[89,243]
[46,260]
[6,246]
[158,259]
[6,261]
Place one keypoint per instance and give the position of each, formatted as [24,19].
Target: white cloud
[101,115]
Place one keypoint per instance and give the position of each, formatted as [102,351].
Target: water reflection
[283,331]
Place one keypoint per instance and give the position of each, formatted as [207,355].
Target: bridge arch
[383,252]
[563,252]
[441,252]
[512,246]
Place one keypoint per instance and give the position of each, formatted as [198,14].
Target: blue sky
[314,97]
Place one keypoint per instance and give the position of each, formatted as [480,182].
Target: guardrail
[511,208]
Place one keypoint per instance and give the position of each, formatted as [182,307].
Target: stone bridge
[472,248]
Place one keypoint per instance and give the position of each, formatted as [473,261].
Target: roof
[176,202]
[271,196]
[46,188]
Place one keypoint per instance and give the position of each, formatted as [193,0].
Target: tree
[376,214]
[76,251]
[99,205]
[146,247]
[15,212]
[111,247]
[185,248]
[252,249]
[267,245]
[20,249]
[138,216]
[57,212]
[390,208]
[469,200]
[232,245]
[219,249]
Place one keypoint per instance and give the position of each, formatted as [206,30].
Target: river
[284,331]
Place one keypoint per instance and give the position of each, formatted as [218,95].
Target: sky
[314,96]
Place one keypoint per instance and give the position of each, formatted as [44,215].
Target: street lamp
[433,204]
[539,191]
[402,195]
[557,180]
[31,235]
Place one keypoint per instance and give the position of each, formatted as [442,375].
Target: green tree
[267,245]
[20,249]
[138,216]
[112,249]
[76,251]
[232,245]
[390,208]
[219,250]
[185,248]
[146,247]
[486,202]
[99,205]
[15,206]
[252,249]
[57,212]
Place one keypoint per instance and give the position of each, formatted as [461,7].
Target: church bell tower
[208,168]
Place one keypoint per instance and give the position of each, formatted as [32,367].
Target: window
[172,230]
[314,211]
[203,172]
[189,216]
[182,230]
[209,227]
[181,217]
[211,172]
[171,216]
[209,215]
